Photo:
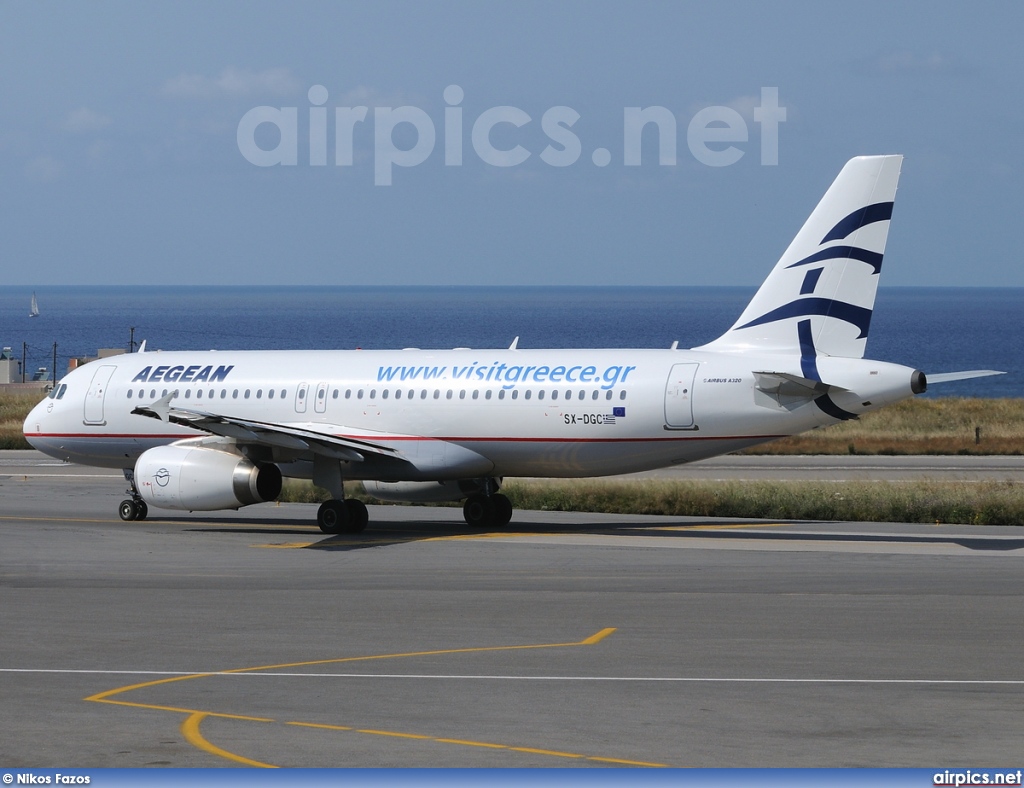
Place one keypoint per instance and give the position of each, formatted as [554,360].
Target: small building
[10,367]
[103,352]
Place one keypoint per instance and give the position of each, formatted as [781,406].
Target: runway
[568,640]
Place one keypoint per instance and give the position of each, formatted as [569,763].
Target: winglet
[515,344]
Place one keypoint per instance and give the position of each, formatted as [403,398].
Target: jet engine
[201,479]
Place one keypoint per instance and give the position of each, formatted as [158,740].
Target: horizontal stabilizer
[789,390]
[946,377]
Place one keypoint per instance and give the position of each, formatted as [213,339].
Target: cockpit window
[58,391]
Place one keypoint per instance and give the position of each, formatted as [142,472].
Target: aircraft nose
[36,420]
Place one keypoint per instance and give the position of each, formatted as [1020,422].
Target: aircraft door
[320,403]
[97,391]
[679,396]
[300,397]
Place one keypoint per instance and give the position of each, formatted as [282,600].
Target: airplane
[204,431]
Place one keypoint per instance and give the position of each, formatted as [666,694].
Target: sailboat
[33,310]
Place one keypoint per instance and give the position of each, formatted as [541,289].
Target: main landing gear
[487,511]
[347,516]
[133,508]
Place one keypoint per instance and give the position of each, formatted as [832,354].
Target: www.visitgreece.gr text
[508,375]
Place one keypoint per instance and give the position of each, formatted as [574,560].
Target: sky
[135,146]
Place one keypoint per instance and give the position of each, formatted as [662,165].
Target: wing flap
[248,431]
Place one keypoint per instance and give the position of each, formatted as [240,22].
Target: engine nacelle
[201,479]
[421,492]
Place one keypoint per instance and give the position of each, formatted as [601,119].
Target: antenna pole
[24,350]
[131,339]
[55,364]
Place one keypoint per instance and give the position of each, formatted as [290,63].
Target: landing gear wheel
[132,510]
[502,510]
[479,511]
[358,517]
[333,517]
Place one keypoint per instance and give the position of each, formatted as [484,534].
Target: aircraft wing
[248,431]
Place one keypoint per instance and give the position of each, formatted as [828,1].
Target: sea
[932,329]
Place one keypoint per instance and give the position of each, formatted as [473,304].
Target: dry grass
[13,410]
[918,426]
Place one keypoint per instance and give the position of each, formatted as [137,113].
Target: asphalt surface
[569,640]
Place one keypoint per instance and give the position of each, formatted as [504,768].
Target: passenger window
[595,395]
[487,394]
[462,394]
[527,395]
[384,394]
[199,393]
[398,393]
[540,394]
[270,394]
[348,393]
[608,395]
[188,393]
[334,394]
[234,394]
[129,393]
[622,394]
[423,394]
[359,394]
[373,393]
[515,394]
[554,394]
[501,394]
[259,393]
[449,394]
[284,393]
[247,393]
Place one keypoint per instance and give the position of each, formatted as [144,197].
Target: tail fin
[819,297]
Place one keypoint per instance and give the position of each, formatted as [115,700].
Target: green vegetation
[990,503]
[985,503]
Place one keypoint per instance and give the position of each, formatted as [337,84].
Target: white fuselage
[457,413]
